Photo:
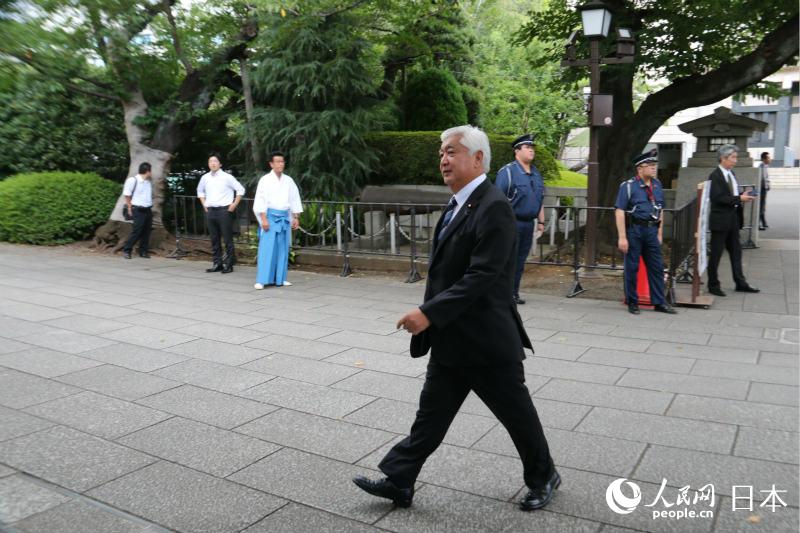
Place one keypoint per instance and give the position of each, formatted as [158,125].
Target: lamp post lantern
[596,23]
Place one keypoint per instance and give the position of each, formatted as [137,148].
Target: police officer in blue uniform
[523,185]
[639,220]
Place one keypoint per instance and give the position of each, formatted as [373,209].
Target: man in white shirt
[138,193]
[277,207]
[220,193]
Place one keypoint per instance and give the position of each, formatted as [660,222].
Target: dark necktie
[729,176]
[448,215]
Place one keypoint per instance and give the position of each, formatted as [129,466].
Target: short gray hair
[475,139]
[725,150]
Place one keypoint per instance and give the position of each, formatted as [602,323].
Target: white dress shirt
[143,194]
[277,193]
[218,188]
[730,178]
[463,195]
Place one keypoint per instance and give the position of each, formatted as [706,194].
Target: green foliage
[674,38]
[516,97]
[433,101]
[411,157]
[423,34]
[315,97]
[54,207]
[42,128]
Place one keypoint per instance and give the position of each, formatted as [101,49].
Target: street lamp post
[596,22]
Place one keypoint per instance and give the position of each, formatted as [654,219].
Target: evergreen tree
[314,97]
[433,101]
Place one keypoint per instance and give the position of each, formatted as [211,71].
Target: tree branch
[775,50]
[65,79]
[343,9]
[176,43]
[75,88]
[231,80]
[100,43]
[29,60]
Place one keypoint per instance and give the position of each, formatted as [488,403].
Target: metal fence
[405,231]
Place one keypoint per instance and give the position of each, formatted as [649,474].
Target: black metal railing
[405,231]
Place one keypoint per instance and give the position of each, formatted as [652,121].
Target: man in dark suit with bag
[470,324]
[725,219]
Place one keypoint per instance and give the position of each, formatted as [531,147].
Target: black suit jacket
[726,209]
[468,296]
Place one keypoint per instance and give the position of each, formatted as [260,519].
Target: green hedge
[412,157]
[54,207]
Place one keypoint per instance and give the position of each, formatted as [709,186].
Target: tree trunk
[140,152]
[113,233]
[248,108]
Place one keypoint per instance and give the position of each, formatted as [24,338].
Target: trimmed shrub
[54,207]
[412,157]
[433,101]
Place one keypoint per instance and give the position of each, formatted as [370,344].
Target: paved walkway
[149,396]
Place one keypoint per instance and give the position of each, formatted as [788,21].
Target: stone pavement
[146,396]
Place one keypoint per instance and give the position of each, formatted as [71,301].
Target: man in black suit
[471,325]
[725,220]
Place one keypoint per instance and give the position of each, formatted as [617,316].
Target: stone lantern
[712,131]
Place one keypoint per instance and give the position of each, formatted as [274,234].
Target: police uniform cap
[647,157]
[528,138]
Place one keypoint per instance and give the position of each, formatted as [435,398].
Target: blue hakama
[273,248]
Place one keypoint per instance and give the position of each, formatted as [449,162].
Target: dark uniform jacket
[726,209]
[474,320]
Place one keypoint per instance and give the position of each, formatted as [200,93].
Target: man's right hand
[265,226]
[622,244]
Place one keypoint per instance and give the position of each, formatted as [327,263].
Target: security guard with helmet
[523,185]
[639,219]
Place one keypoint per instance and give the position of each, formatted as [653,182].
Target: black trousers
[220,228]
[142,226]
[763,207]
[502,389]
[728,240]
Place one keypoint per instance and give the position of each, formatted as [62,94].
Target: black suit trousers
[502,389]
[726,240]
[220,228]
[142,226]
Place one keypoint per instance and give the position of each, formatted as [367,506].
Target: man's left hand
[295,223]
[231,208]
[660,238]
[414,322]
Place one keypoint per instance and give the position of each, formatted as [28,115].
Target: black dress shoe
[538,498]
[383,488]
[216,267]
[633,309]
[126,255]
[145,255]
[227,269]
[762,228]
[716,291]
[518,300]
[747,288]
[664,308]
